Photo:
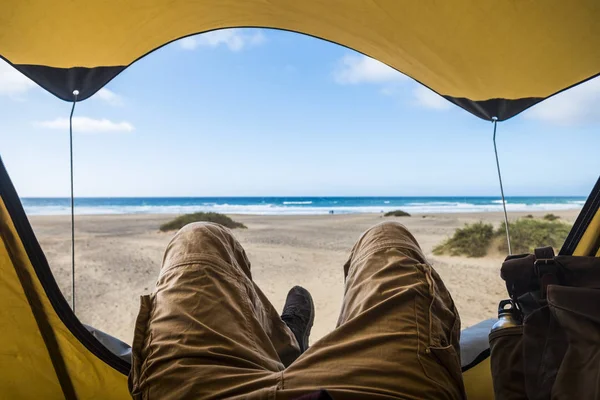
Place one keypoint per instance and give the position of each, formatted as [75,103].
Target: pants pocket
[439,327]
[448,357]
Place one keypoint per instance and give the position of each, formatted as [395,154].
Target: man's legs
[398,331]
[208,332]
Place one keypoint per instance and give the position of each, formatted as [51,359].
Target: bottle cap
[506,307]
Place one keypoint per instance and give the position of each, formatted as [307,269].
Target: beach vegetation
[528,216]
[551,217]
[214,217]
[527,234]
[479,239]
[472,240]
[396,213]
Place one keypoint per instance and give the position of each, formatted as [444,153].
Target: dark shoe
[299,315]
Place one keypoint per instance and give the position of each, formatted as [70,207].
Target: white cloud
[235,39]
[110,97]
[12,82]
[427,98]
[354,69]
[576,106]
[188,43]
[88,125]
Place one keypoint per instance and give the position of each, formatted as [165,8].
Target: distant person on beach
[209,332]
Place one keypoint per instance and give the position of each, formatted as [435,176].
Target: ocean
[293,205]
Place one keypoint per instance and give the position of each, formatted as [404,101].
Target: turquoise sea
[293,205]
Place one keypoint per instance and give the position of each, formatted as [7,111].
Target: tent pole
[75,94]
[495,121]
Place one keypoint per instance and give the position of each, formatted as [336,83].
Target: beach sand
[118,258]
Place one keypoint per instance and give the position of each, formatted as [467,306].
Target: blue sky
[258,112]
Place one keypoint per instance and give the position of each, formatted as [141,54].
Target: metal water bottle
[508,316]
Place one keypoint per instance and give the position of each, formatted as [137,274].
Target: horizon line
[294,196]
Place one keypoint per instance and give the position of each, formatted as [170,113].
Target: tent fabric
[474,345]
[478,381]
[492,58]
[584,237]
[116,346]
[47,353]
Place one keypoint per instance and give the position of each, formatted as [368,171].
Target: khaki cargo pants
[208,332]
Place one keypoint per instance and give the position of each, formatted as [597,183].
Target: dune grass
[473,240]
[396,213]
[551,217]
[527,234]
[185,219]
[476,240]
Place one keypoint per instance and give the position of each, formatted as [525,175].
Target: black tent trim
[87,80]
[482,356]
[90,80]
[503,109]
[44,274]
[500,108]
[582,222]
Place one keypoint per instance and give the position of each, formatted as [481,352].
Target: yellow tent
[492,58]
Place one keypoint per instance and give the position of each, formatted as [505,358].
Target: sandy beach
[118,258]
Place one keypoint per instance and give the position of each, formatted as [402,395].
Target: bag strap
[546,269]
[527,273]
[518,273]
[532,273]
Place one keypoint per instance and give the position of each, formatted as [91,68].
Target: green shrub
[185,219]
[551,217]
[475,240]
[527,234]
[528,216]
[396,213]
[472,241]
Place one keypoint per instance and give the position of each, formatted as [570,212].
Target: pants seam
[427,350]
[144,366]
[247,314]
[431,288]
